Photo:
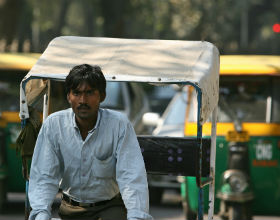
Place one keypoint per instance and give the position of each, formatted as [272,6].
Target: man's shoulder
[60,115]
[113,115]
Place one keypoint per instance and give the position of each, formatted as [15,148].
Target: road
[170,209]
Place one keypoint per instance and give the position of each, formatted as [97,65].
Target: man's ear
[68,98]
[102,96]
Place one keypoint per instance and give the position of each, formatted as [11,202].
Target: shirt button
[84,159]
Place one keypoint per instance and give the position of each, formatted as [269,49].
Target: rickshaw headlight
[238,182]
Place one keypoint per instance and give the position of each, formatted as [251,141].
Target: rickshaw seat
[174,156]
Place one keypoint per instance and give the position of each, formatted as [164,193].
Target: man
[92,154]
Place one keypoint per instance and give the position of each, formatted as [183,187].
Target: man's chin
[84,116]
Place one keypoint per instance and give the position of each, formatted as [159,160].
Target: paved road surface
[169,210]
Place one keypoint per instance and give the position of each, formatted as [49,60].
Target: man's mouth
[83,107]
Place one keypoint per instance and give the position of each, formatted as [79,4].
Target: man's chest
[99,145]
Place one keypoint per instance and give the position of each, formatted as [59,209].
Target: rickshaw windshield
[249,99]
[246,99]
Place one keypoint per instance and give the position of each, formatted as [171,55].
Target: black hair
[92,75]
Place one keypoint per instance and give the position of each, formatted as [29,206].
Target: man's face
[85,101]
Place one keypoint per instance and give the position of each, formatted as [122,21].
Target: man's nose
[83,98]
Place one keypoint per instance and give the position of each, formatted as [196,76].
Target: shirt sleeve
[45,174]
[131,174]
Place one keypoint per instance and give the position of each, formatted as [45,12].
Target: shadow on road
[14,209]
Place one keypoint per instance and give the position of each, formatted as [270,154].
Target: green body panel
[264,163]
[15,182]
[3,171]
[265,179]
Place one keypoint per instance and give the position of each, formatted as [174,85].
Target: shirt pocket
[104,168]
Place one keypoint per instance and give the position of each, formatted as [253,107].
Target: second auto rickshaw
[248,139]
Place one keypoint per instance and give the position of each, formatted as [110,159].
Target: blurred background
[234,26]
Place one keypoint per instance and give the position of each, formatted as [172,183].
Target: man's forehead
[84,86]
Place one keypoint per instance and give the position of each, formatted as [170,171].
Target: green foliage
[235,26]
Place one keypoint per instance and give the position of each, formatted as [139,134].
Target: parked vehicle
[13,67]
[248,139]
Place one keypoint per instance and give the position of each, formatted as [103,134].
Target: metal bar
[200,204]
[212,164]
[45,107]
[199,165]
[46,102]
[199,139]
[27,204]
[206,182]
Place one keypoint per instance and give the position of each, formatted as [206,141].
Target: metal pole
[212,164]
[45,107]
[199,140]
[46,102]
[27,204]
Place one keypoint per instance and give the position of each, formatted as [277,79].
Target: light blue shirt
[107,162]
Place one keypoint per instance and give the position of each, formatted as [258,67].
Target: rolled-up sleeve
[131,174]
[45,174]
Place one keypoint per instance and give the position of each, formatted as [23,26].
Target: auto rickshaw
[13,67]
[248,140]
[158,62]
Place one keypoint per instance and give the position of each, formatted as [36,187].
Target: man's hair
[86,73]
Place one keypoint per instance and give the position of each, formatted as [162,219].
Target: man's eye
[75,93]
[90,92]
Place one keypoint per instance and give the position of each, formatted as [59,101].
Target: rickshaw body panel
[264,175]
[15,179]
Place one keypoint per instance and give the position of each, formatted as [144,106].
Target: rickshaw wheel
[236,211]
[3,194]
[240,211]
[189,214]
[155,195]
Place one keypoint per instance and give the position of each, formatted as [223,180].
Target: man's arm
[45,174]
[131,175]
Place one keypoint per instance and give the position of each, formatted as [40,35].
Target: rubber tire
[188,213]
[3,195]
[155,195]
[239,211]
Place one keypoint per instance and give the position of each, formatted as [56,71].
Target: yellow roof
[18,61]
[249,65]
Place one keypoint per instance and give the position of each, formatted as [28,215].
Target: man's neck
[85,125]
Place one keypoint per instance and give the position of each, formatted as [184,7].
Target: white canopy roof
[138,60]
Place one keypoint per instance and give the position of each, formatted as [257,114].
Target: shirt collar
[74,123]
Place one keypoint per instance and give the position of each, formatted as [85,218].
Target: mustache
[83,106]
